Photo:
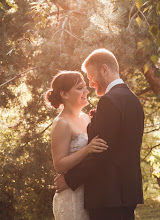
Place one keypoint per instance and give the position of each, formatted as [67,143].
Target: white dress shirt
[114,83]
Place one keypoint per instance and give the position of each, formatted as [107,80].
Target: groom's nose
[90,83]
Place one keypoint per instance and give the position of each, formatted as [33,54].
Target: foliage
[147,15]
[37,39]
[148,211]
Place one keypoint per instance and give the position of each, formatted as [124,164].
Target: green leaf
[146,9]
[158,8]
[158,42]
[147,50]
[9,3]
[154,59]
[44,20]
[158,96]
[139,4]
[38,7]
[140,45]
[31,39]
[146,67]
[143,43]
[154,30]
[38,26]
[157,72]
[139,21]
[1,5]
[12,5]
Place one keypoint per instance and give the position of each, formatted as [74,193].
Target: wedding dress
[68,204]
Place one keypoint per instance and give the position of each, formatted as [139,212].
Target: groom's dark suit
[112,179]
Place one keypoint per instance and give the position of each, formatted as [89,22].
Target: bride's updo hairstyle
[63,81]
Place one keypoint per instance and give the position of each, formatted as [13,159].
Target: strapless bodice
[78,142]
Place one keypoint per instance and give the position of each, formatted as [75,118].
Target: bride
[69,140]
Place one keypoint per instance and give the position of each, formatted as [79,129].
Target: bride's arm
[60,145]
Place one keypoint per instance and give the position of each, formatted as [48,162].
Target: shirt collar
[113,83]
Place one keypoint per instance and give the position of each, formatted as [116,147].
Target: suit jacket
[113,178]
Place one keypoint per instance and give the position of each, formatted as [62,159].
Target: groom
[112,179]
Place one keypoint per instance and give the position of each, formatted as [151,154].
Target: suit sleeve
[107,126]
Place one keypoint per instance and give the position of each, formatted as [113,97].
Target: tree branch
[20,41]
[144,18]
[73,35]
[150,152]
[156,129]
[143,91]
[133,16]
[18,75]
[153,111]
[153,125]
[45,128]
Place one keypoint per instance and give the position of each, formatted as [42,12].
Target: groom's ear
[104,70]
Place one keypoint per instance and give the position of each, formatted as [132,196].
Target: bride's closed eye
[81,87]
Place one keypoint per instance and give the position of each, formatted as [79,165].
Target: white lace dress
[69,205]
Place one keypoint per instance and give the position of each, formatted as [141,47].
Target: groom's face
[96,80]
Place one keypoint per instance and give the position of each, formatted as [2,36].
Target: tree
[37,40]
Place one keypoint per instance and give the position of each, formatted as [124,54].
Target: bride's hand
[97,145]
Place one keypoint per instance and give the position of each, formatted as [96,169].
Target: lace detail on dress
[69,205]
[78,142]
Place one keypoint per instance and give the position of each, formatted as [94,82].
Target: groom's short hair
[99,57]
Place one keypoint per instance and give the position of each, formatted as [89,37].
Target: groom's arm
[107,126]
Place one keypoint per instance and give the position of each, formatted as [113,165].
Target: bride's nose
[86,91]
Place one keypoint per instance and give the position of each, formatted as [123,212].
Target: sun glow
[104,19]
[23,93]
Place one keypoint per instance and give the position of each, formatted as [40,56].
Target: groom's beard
[101,85]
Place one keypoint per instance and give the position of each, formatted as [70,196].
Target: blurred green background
[39,38]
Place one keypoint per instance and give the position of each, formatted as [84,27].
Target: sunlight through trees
[38,38]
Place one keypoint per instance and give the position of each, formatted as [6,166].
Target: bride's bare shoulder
[85,117]
[60,124]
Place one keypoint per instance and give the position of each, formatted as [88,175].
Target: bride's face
[77,96]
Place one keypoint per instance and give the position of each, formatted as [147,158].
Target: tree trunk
[153,80]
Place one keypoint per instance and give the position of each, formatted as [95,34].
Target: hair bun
[52,97]
[63,81]
[50,94]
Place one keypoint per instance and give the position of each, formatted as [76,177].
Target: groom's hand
[60,183]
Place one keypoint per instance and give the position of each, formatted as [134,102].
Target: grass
[150,210]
